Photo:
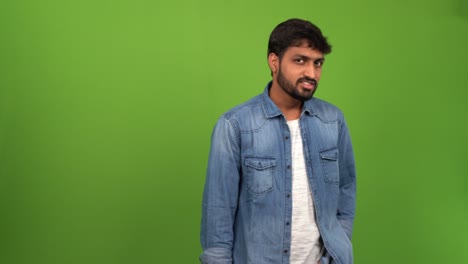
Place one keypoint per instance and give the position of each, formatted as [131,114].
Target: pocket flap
[329,154]
[260,163]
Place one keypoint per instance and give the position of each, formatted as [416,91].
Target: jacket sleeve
[220,194]
[347,199]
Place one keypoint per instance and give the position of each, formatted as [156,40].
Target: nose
[310,71]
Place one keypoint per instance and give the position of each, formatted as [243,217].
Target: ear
[273,62]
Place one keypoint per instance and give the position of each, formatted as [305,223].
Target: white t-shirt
[306,245]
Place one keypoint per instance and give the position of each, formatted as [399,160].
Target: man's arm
[347,200]
[220,194]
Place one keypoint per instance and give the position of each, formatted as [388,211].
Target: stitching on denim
[325,171]
[255,130]
[267,190]
[236,130]
[271,175]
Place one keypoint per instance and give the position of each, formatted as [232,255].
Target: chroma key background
[106,111]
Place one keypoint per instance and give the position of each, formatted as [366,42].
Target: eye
[299,60]
[318,63]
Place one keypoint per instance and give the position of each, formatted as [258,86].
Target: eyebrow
[309,58]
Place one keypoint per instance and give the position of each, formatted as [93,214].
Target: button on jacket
[247,203]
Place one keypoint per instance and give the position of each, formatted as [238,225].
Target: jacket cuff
[216,256]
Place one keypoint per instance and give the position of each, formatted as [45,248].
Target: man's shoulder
[245,109]
[322,105]
[325,110]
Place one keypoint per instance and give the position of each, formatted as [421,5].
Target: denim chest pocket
[259,174]
[330,166]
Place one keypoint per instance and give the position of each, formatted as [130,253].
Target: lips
[308,84]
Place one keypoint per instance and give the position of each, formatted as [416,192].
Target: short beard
[292,90]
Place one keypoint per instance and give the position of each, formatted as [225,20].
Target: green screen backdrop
[106,111]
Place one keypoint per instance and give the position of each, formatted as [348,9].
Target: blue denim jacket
[247,198]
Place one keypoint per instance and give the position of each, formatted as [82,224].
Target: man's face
[299,71]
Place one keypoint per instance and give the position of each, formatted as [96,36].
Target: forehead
[303,50]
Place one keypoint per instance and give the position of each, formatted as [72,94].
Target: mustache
[307,79]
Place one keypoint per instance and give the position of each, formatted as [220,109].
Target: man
[280,184]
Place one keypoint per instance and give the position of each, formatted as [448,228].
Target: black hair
[294,32]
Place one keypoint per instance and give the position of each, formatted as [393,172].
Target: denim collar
[271,110]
